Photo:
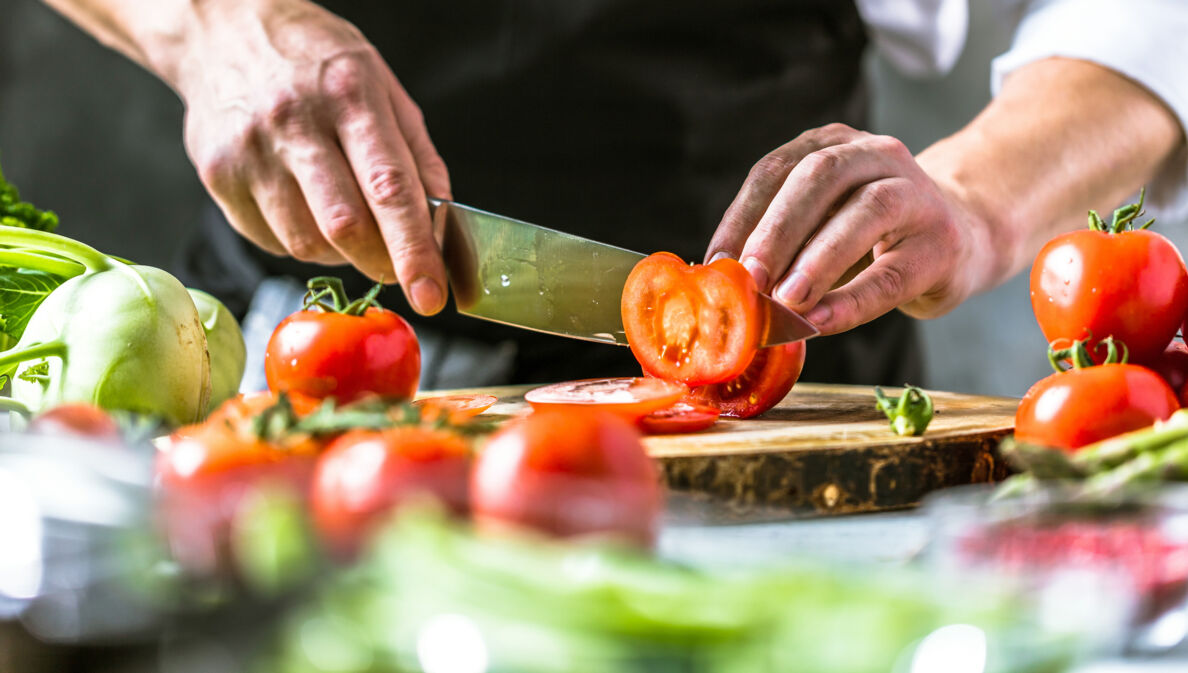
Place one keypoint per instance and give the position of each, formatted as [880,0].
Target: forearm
[1063,136]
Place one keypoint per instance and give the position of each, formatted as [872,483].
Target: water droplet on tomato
[504,279]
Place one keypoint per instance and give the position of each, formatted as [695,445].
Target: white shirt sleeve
[920,38]
[1145,40]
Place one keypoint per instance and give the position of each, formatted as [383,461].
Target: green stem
[79,252]
[323,287]
[9,404]
[910,413]
[24,259]
[41,350]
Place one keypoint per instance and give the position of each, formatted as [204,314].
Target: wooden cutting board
[825,449]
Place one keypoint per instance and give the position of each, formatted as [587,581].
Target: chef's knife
[513,272]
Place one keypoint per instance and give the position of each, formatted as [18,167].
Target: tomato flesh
[1071,409]
[627,397]
[454,408]
[79,419]
[568,473]
[681,417]
[767,380]
[347,357]
[696,324]
[1131,285]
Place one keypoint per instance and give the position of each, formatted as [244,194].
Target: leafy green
[21,292]
[17,213]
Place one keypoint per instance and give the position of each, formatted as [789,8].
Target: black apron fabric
[632,122]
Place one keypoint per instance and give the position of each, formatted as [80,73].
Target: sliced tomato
[78,419]
[680,418]
[626,397]
[454,408]
[765,382]
[697,324]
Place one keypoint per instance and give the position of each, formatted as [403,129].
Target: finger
[895,277]
[813,188]
[245,217]
[872,211]
[338,208]
[430,166]
[284,209]
[763,183]
[384,168]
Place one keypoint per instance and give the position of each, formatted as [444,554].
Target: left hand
[817,206]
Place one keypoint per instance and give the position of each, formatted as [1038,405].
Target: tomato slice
[770,376]
[696,324]
[627,397]
[455,408]
[680,418]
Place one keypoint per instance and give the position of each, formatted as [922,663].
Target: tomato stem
[910,413]
[1078,354]
[1123,219]
[321,288]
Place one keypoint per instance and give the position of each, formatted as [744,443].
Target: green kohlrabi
[121,336]
[224,341]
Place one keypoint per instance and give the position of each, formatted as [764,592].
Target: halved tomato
[765,382]
[626,397]
[679,418]
[697,324]
[454,408]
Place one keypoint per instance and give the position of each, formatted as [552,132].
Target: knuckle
[306,248]
[771,168]
[882,201]
[345,77]
[286,110]
[389,187]
[889,145]
[822,166]
[888,283]
[342,223]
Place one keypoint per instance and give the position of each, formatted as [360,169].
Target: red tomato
[204,473]
[325,354]
[679,418]
[365,473]
[1071,409]
[766,381]
[694,324]
[628,397]
[78,419]
[1091,284]
[454,408]
[568,473]
[1172,365]
[244,406]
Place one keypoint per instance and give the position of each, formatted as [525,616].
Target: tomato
[78,419]
[1092,284]
[569,473]
[324,354]
[244,406]
[454,408]
[366,473]
[1071,409]
[679,418]
[765,382]
[696,324]
[628,397]
[204,473]
[1172,365]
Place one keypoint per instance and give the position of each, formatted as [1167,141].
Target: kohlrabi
[224,342]
[118,335]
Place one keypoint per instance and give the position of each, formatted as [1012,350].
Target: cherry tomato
[568,473]
[78,419]
[679,418]
[325,354]
[205,471]
[1130,285]
[694,324]
[628,397]
[454,408]
[1071,409]
[366,473]
[1172,365]
[765,382]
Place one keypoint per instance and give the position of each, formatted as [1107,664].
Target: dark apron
[632,122]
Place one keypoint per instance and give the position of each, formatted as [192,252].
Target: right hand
[309,144]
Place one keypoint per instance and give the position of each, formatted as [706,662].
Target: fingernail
[794,290]
[721,254]
[819,315]
[426,295]
[757,270]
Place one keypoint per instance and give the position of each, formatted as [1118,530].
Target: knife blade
[513,272]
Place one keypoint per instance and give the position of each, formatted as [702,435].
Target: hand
[817,206]
[310,145]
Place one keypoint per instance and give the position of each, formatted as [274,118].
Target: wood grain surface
[825,449]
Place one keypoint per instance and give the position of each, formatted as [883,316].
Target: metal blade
[521,274]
